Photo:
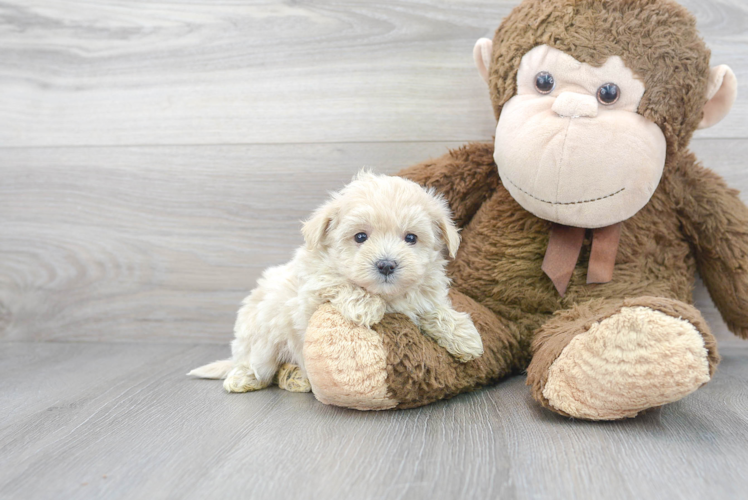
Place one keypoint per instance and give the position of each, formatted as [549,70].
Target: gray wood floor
[103,420]
[156,156]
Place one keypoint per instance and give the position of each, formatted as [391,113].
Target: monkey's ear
[721,94]
[482,56]
[316,227]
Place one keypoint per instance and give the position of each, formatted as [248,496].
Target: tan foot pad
[345,363]
[636,359]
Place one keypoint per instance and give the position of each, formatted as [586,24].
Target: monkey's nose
[386,267]
[573,105]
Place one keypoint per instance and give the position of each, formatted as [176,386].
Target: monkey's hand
[727,281]
[716,223]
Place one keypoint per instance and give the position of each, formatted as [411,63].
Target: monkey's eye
[411,238]
[361,237]
[608,94]
[544,82]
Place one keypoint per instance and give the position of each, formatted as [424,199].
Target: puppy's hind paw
[292,379]
[242,379]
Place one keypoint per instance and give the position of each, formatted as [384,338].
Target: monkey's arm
[465,177]
[716,222]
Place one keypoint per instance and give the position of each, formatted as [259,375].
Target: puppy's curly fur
[378,246]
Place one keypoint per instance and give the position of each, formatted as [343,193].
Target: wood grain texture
[162,243]
[124,72]
[156,156]
[109,421]
[157,243]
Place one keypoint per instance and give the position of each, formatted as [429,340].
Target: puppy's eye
[361,237]
[411,238]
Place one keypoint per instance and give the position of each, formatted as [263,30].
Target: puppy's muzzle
[386,267]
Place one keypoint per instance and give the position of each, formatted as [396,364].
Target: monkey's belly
[499,262]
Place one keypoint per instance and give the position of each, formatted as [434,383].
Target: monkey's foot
[635,359]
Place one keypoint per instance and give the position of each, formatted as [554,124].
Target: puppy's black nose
[386,267]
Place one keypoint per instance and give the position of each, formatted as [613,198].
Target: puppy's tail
[215,370]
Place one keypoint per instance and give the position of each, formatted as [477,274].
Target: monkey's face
[570,146]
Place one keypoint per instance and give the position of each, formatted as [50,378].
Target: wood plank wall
[156,156]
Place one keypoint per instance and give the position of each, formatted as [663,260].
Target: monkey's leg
[394,365]
[611,359]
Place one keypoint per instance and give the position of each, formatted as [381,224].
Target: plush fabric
[557,336]
[346,363]
[599,351]
[638,354]
[418,372]
[722,92]
[569,159]
[656,39]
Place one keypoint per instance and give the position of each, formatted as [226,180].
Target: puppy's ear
[316,227]
[449,233]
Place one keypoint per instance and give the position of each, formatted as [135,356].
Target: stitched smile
[567,202]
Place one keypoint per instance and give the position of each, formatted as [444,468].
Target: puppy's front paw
[365,311]
[466,343]
[466,349]
[456,333]
[242,379]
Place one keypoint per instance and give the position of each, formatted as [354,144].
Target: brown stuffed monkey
[582,226]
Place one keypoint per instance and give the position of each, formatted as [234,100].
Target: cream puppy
[378,246]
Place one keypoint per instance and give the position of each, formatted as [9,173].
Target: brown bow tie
[564,246]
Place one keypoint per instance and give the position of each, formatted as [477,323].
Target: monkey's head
[592,97]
